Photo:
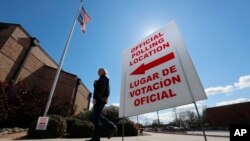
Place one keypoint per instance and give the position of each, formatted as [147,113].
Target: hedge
[81,129]
[56,128]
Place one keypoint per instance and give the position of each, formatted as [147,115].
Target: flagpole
[61,63]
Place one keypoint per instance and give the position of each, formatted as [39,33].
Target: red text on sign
[154,97]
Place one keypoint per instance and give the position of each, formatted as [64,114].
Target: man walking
[100,98]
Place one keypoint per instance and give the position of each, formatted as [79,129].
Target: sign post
[158,120]
[123,116]
[158,73]
[202,128]
[137,119]
[42,123]
[196,108]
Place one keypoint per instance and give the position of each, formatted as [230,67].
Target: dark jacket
[102,89]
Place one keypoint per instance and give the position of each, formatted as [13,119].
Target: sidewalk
[150,137]
[210,133]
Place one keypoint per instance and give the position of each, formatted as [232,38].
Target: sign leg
[137,119]
[202,128]
[123,129]
[158,118]
[191,94]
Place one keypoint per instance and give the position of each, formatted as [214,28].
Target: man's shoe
[112,131]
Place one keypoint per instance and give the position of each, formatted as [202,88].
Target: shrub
[3,104]
[56,128]
[130,128]
[81,129]
[70,122]
[84,115]
[22,104]
[112,113]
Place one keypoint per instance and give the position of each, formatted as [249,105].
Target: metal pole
[123,111]
[123,129]
[158,121]
[200,121]
[158,117]
[137,119]
[203,131]
[177,121]
[61,63]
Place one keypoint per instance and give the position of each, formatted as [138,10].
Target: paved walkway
[150,137]
[210,133]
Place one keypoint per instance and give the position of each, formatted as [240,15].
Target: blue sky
[216,34]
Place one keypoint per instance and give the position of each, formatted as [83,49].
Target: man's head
[102,72]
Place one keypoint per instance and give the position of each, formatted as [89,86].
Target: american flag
[83,18]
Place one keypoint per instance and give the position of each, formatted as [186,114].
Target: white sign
[158,73]
[42,123]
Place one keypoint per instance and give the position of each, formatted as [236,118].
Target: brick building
[23,60]
[223,116]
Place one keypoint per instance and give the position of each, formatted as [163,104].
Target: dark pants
[98,118]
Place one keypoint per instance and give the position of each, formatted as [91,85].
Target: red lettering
[176,79]
[171,93]
[137,102]
[164,95]
[154,97]
[132,93]
[143,100]
[144,80]
[169,70]
[173,69]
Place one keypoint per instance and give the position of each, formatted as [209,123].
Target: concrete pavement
[149,137]
[210,133]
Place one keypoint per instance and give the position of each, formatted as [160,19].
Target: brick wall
[82,94]
[20,33]
[66,82]
[5,33]
[11,53]
[6,68]
[36,59]
[223,116]
[43,57]
[29,63]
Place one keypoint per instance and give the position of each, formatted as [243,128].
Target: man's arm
[100,88]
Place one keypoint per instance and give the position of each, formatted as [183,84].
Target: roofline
[19,25]
[38,45]
[84,85]
[229,105]
[47,54]
[62,71]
